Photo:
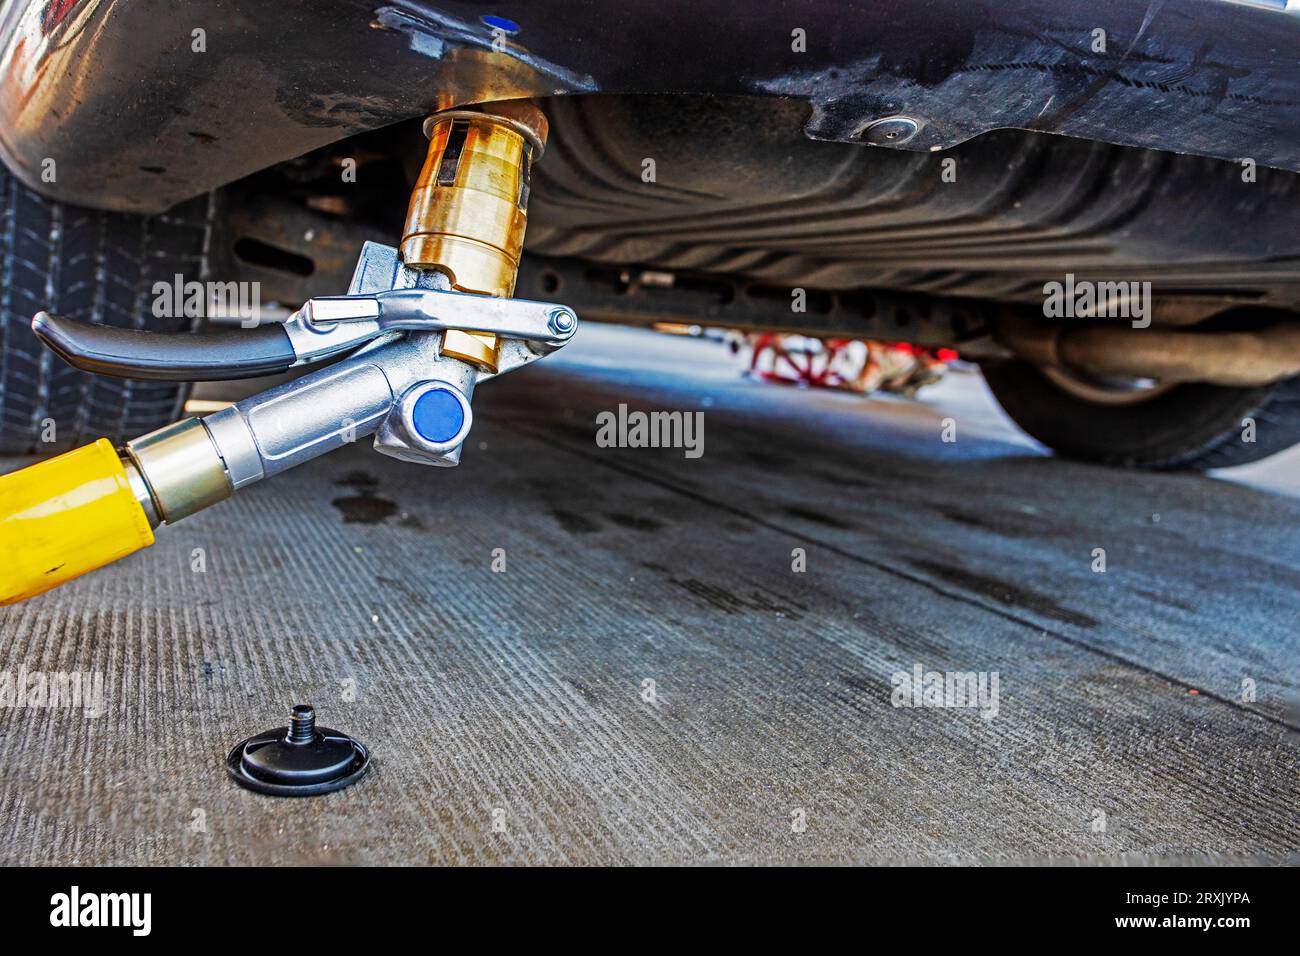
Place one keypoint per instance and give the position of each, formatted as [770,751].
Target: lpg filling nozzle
[419,327]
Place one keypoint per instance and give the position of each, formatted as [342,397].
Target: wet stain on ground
[635,522]
[816,517]
[365,509]
[853,481]
[1004,593]
[1015,524]
[759,599]
[768,460]
[728,602]
[574,523]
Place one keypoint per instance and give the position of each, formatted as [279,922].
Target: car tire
[1191,427]
[94,265]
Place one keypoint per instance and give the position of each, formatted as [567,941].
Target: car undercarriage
[720,433]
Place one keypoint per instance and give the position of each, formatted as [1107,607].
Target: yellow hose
[66,516]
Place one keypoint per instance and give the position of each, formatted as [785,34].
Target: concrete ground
[648,680]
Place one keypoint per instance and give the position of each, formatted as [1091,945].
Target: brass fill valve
[469,208]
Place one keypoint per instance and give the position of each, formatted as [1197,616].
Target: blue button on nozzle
[438,415]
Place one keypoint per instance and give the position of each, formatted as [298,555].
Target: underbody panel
[140,104]
[738,190]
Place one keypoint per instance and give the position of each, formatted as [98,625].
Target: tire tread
[95,265]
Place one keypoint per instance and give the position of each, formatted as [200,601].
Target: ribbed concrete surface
[366,587]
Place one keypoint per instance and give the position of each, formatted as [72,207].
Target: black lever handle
[166,356]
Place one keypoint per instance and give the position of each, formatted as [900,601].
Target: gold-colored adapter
[469,208]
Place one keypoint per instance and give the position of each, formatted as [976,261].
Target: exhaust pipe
[1238,359]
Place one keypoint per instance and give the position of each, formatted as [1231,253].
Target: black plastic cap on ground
[301,760]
